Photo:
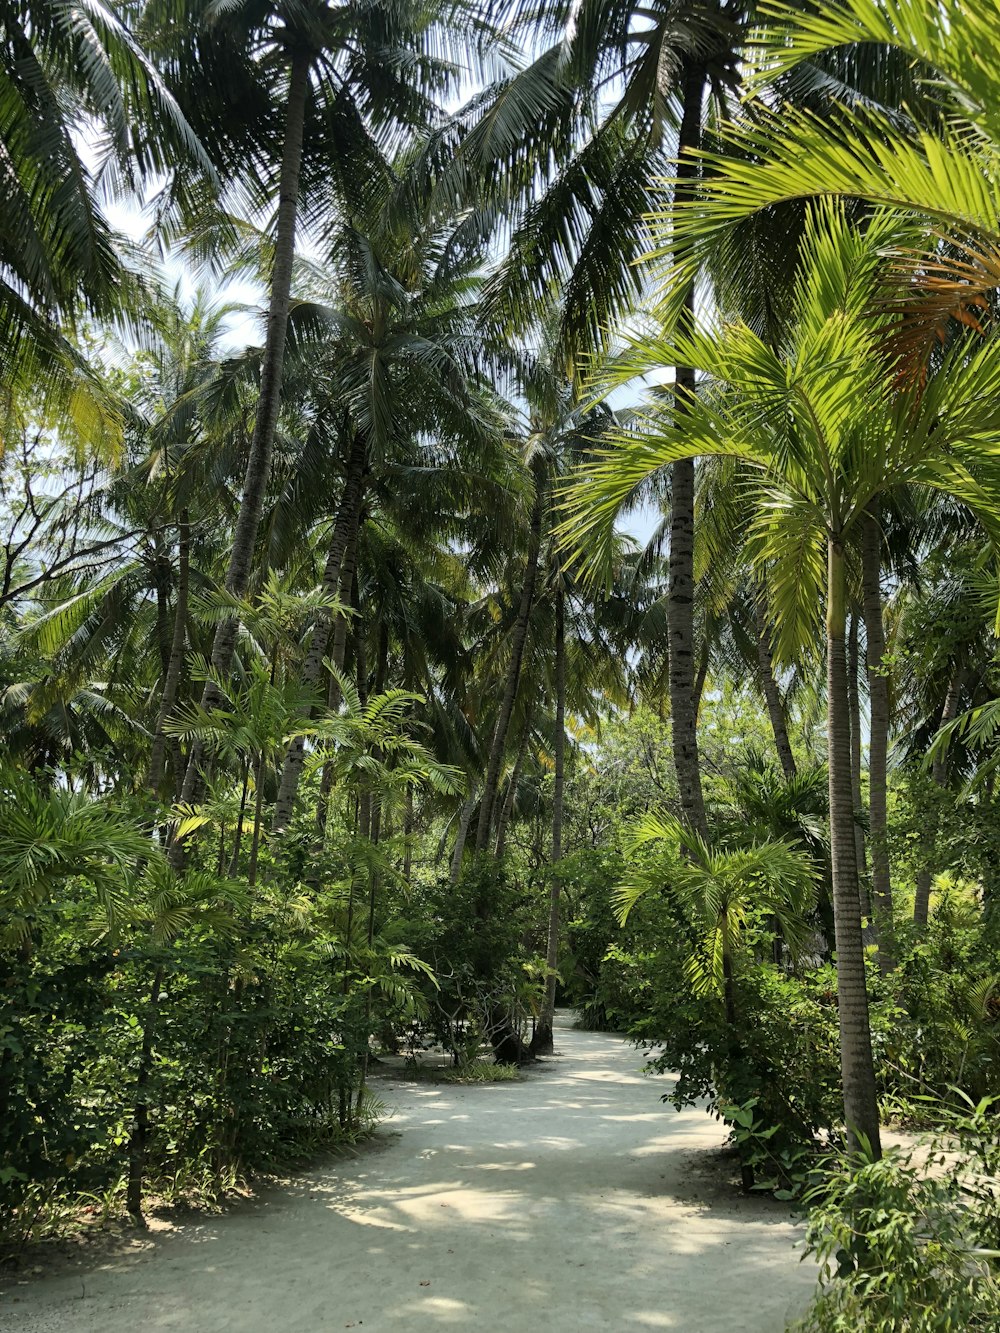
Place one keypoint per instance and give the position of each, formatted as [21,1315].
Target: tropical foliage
[569,575]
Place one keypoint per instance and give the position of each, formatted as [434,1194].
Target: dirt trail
[572,1200]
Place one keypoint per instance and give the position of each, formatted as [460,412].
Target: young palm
[827,427]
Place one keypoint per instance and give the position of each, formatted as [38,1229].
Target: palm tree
[944,172]
[401,367]
[827,427]
[59,257]
[344,77]
[719,890]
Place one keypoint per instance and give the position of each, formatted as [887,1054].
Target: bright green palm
[947,174]
[721,891]
[821,424]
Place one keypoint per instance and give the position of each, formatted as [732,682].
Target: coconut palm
[62,68]
[344,78]
[400,368]
[827,426]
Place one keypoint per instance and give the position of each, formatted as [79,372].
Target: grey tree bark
[878,739]
[507,809]
[939,773]
[519,638]
[680,592]
[769,687]
[854,708]
[462,832]
[542,1042]
[175,661]
[857,1066]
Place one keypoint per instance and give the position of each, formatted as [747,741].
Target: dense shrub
[909,1244]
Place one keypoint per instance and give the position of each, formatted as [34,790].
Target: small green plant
[476,1071]
[909,1243]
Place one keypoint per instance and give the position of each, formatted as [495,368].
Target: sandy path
[572,1200]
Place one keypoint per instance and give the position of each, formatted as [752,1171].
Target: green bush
[909,1244]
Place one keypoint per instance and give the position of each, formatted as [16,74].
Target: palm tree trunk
[408,834]
[878,739]
[175,661]
[939,773]
[234,864]
[462,832]
[507,809]
[262,444]
[732,1024]
[769,687]
[680,593]
[700,680]
[542,1042]
[139,1137]
[854,708]
[518,640]
[857,1067]
[258,810]
[345,527]
[338,653]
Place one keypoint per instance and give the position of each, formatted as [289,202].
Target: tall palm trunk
[732,1023]
[878,738]
[262,444]
[854,708]
[408,823]
[345,527]
[338,654]
[175,660]
[939,774]
[857,1067]
[139,1136]
[769,688]
[462,832]
[542,1043]
[507,810]
[519,638]
[680,593]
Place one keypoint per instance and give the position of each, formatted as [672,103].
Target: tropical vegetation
[500,507]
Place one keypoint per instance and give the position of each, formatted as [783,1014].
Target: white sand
[572,1200]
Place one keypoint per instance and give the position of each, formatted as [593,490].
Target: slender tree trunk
[700,680]
[542,1044]
[234,864]
[462,832]
[344,529]
[519,637]
[258,813]
[338,654]
[175,660]
[769,687]
[854,708]
[729,1005]
[139,1138]
[857,1067]
[939,773]
[262,444]
[507,809]
[408,834]
[161,580]
[680,593]
[878,739]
